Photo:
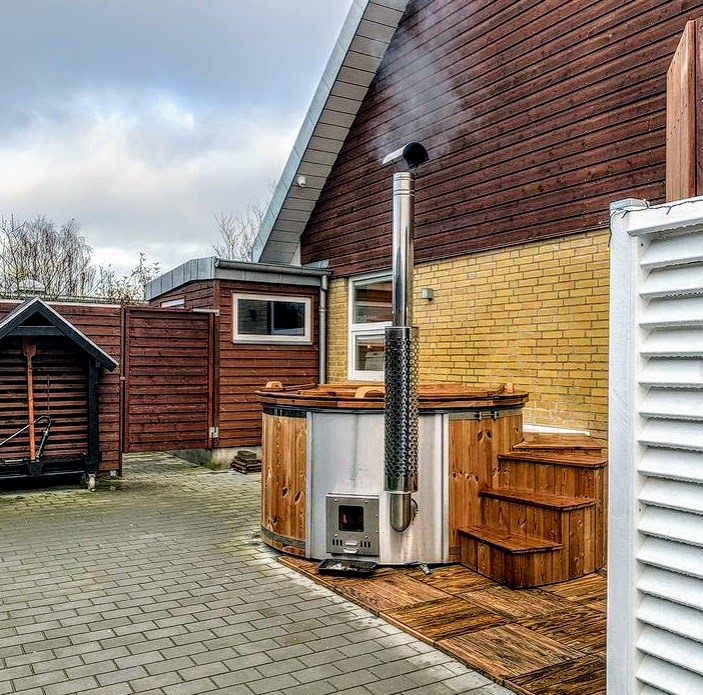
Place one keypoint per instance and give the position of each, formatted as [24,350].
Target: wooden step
[558,442]
[505,541]
[556,458]
[543,500]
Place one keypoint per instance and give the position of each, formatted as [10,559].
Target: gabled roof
[356,56]
[19,322]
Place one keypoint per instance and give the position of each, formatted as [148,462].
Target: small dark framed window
[271,319]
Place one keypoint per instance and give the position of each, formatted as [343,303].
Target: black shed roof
[22,321]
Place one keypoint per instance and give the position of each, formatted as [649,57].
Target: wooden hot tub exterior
[524,509]
[490,420]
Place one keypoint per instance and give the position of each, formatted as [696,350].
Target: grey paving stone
[78,685]
[275,684]
[174,594]
[492,689]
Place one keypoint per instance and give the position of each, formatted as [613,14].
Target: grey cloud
[140,118]
[216,51]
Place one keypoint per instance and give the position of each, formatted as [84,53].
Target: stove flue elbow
[412,155]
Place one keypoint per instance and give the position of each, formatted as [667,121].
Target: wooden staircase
[539,516]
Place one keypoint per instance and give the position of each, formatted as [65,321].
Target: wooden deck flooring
[545,641]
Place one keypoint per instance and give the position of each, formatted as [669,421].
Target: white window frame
[305,339]
[360,330]
[178,303]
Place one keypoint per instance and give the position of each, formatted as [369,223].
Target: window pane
[369,353]
[288,318]
[262,317]
[373,303]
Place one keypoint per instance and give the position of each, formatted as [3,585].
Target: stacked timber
[540,517]
[245,462]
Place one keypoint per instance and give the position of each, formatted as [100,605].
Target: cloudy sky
[142,118]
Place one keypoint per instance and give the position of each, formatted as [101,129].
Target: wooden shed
[267,324]
[50,394]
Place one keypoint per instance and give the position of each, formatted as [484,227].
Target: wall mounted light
[302,181]
[427,293]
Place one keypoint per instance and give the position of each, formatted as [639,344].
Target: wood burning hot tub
[322,469]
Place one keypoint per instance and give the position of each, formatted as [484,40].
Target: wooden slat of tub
[283,479]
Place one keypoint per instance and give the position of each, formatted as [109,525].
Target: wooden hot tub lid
[371,395]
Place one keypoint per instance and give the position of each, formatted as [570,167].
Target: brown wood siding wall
[245,368]
[64,367]
[536,115]
[197,295]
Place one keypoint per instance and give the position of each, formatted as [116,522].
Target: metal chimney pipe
[401,410]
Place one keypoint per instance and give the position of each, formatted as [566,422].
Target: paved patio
[158,584]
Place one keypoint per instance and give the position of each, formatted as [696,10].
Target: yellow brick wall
[535,315]
[337,314]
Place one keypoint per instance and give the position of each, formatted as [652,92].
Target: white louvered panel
[668,678]
[673,434]
[673,649]
[681,342]
[673,251]
[677,405]
[673,373]
[665,521]
[673,312]
[671,617]
[649,690]
[674,587]
[677,557]
[676,465]
[672,281]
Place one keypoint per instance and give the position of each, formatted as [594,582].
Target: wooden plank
[681,118]
[519,605]
[385,592]
[579,627]
[546,500]
[509,650]
[582,676]
[507,541]
[442,618]
[588,589]
[456,580]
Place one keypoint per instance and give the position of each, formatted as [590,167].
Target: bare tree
[39,258]
[125,289]
[36,256]
[238,232]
